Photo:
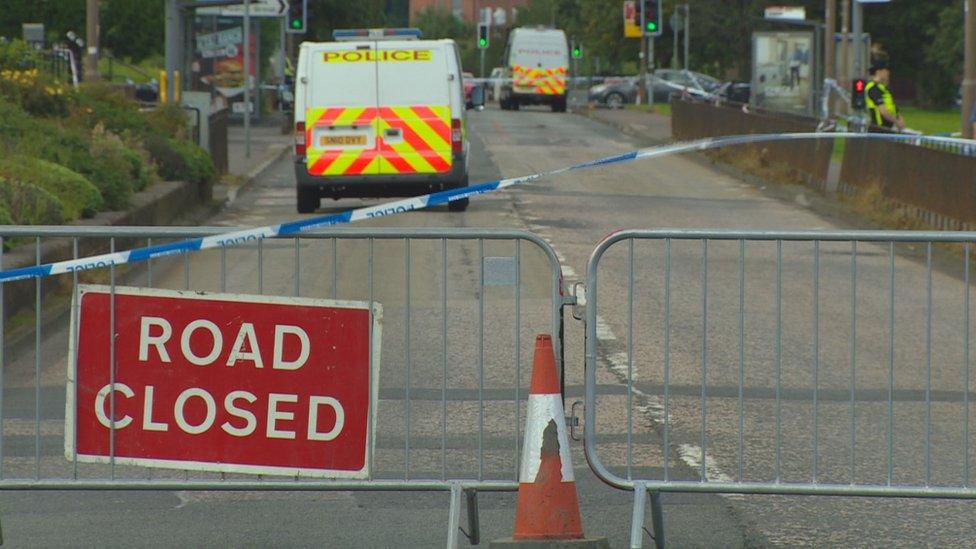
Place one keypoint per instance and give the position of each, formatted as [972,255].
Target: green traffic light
[576,52]
[482,42]
[651,26]
[296,23]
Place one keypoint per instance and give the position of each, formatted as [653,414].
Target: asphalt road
[431,424]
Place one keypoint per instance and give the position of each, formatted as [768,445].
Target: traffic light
[483,36]
[297,18]
[651,17]
[858,87]
[577,50]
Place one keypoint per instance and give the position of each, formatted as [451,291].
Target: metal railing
[770,362]
[454,375]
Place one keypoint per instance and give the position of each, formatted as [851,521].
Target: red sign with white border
[220,382]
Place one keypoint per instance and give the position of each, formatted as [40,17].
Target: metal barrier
[452,387]
[804,363]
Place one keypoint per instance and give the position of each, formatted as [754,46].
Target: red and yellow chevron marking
[539,80]
[422,145]
[338,160]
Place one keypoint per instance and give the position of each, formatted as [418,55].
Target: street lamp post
[969,76]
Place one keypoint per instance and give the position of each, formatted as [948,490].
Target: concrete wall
[936,186]
[691,120]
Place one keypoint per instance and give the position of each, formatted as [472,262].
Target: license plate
[333,140]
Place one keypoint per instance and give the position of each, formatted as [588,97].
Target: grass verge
[932,121]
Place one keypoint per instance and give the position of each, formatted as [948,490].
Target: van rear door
[539,59]
[340,116]
[414,107]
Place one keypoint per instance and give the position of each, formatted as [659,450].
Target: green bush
[169,162]
[99,103]
[78,197]
[29,204]
[5,217]
[15,122]
[99,156]
[168,120]
[180,160]
[17,54]
[199,165]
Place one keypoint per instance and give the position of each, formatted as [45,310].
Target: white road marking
[603,331]
[691,455]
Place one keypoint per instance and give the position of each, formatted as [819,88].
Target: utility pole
[91,39]
[643,92]
[830,68]
[247,78]
[687,34]
[857,22]
[844,71]
[969,76]
[174,44]
[674,31]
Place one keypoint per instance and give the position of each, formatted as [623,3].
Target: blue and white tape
[419,202]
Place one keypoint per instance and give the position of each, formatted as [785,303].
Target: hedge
[78,196]
[29,204]
[180,160]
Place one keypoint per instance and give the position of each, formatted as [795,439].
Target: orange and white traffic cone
[548,507]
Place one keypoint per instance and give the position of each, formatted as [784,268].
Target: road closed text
[223,383]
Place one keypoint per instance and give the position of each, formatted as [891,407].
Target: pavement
[267,145]
[651,128]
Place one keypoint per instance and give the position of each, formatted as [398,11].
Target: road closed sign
[218,382]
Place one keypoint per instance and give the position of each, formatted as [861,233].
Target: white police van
[379,112]
[536,63]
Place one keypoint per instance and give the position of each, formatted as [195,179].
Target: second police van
[536,62]
[378,112]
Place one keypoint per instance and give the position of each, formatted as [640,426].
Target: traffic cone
[547,513]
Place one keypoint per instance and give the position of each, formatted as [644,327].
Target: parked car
[614,93]
[735,92]
[669,81]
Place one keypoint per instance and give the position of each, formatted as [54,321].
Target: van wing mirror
[478,97]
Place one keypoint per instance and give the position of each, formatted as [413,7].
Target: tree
[133,29]
[324,16]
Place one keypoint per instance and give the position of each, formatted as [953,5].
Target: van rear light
[457,140]
[300,138]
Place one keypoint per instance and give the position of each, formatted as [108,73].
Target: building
[503,12]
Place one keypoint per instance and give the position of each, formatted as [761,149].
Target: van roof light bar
[346,35]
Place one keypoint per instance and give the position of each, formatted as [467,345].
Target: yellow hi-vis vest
[888,102]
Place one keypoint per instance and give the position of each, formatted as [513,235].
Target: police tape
[298,227]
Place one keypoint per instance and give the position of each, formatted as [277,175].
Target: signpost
[788,13]
[258,8]
[218,382]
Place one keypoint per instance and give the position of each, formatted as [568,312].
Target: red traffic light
[858,87]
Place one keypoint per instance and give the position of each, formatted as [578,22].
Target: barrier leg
[454,517]
[474,526]
[637,521]
[657,519]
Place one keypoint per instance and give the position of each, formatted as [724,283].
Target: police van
[536,60]
[379,112]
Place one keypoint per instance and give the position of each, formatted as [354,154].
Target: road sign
[259,8]
[631,20]
[218,382]
[786,13]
